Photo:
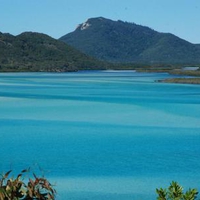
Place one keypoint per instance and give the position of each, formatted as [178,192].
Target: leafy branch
[35,188]
[175,192]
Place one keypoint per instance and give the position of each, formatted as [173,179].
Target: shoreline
[181,80]
[194,75]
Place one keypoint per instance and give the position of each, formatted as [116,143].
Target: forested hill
[31,51]
[96,39]
[124,42]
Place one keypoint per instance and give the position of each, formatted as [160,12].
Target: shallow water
[101,134]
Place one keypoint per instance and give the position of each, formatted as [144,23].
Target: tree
[175,192]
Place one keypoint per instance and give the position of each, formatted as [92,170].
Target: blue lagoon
[101,134]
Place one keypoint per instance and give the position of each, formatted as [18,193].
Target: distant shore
[193,76]
[188,76]
[181,80]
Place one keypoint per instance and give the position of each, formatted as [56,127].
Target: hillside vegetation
[98,43]
[31,51]
[123,42]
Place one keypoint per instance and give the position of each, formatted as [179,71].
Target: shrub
[33,189]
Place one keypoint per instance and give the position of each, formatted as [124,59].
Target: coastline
[181,80]
[188,76]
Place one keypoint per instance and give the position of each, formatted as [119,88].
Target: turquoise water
[101,134]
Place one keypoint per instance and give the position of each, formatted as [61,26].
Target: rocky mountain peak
[126,42]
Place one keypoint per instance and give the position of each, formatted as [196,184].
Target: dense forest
[96,44]
[31,51]
[123,42]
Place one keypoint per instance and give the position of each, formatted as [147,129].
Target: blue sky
[58,17]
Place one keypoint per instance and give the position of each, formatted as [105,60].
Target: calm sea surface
[101,134]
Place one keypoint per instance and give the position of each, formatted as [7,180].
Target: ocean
[101,135]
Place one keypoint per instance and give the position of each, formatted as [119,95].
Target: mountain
[31,51]
[123,42]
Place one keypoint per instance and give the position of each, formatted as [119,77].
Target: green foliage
[122,42]
[17,189]
[175,192]
[38,52]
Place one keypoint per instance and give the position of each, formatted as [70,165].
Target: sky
[59,17]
